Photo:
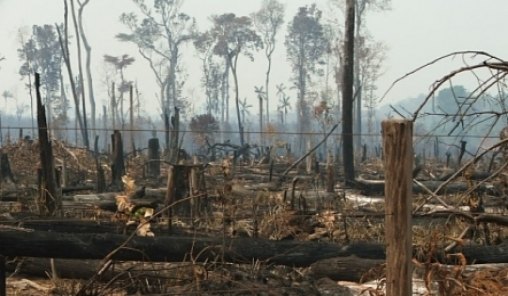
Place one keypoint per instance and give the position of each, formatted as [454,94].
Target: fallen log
[349,268]
[481,218]
[68,226]
[89,226]
[176,249]
[16,242]
[78,188]
[377,187]
[86,269]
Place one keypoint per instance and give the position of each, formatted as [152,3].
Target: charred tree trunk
[101,178]
[118,166]
[86,269]
[5,169]
[330,173]
[3,283]
[131,120]
[166,132]
[240,250]
[49,196]
[154,165]
[351,268]
[175,133]
[170,196]
[347,95]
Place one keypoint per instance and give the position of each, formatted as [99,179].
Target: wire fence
[438,146]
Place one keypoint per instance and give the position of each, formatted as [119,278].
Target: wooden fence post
[398,164]
[3,281]
[170,196]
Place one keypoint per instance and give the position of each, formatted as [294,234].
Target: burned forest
[252,154]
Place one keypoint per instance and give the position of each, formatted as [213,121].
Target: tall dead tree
[64,44]
[49,198]
[88,61]
[131,120]
[347,94]
[81,79]
[175,131]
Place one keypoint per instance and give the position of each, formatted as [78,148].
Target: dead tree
[185,181]
[101,178]
[175,131]
[5,169]
[153,166]
[118,165]
[49,197]
[238,250]
[347,94]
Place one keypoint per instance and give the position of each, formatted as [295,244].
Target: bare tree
[64,45]
[88,49]
[80,67]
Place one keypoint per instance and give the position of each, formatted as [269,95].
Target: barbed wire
[310,133]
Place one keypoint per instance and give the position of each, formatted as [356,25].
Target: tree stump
[185,181]
[5,169]
[154,166]
[118,165]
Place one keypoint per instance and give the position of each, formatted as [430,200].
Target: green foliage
[268,21]
[306,42]
[234,35]
[159,33]
[231,37]
[42,53]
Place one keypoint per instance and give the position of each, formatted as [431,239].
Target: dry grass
[234,210]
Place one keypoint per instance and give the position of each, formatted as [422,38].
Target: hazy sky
[415,32]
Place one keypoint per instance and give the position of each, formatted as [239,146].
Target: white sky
[415,32]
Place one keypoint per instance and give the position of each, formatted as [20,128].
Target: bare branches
[472,53]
